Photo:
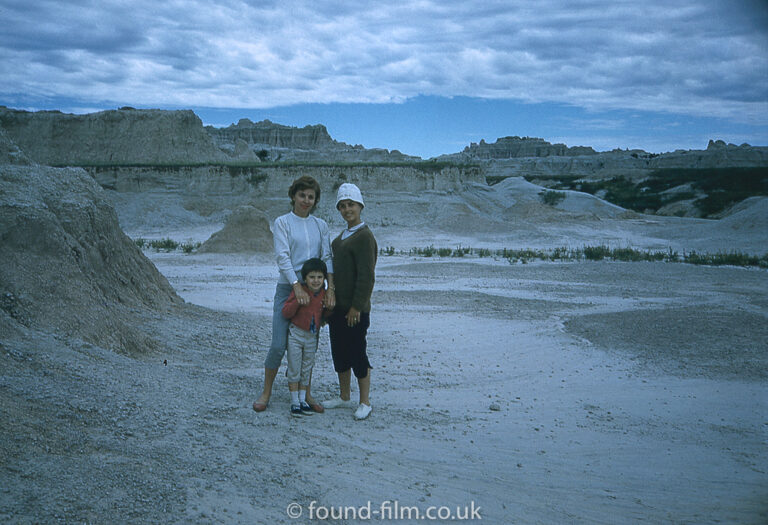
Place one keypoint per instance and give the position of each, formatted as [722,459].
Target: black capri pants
[348,343]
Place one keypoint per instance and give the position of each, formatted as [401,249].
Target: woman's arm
[281,239]
[291,306]
[326,254]
[329,301]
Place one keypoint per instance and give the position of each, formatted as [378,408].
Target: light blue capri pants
[279,327]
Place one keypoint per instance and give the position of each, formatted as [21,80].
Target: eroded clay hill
[66,267]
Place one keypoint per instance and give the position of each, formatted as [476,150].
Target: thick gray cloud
[706,58]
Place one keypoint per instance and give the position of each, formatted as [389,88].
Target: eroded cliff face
[517,147]
[125,136]
[212,191]
[270,134]
[533,157]
[165,138]
[10,152]
[274,142]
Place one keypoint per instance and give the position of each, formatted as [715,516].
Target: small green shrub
[189,247]
[561,254]
[429,251]
[628,255]
[596,253]
[552,198]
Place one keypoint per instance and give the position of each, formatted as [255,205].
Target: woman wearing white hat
[354,262]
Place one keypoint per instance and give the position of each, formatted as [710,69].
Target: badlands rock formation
[276,142]
[149,199]
[66,266]
[515,156]
[156,137]
[164,171]
[125,136]
[9,151]
[516,147]
[274,135]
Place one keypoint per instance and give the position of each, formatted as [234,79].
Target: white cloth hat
[351,192]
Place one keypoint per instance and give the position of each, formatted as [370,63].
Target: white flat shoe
[363,411]
[339,403]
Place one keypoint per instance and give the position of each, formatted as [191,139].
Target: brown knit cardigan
[354,264]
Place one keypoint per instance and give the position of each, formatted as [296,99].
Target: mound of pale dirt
[743,229]
[246,230]
[750,214]
[65,264]
[515,197]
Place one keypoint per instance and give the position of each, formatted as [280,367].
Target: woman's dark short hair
[314,265]
[305,183]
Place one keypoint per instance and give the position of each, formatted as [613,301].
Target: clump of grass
[189,247]
[429,251]
[726,259]
[561,254]
[598,253]
[524,255]
[389,251]
[552,198]
[166,245]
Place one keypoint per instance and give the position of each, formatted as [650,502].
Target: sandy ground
[538,393]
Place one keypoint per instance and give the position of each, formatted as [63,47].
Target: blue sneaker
[306,409]
[296,411]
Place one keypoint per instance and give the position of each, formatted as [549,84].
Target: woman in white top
[298,236]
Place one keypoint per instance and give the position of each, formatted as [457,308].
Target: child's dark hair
[314,265]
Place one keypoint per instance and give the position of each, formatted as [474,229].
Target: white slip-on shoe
[363,411]
[339,403]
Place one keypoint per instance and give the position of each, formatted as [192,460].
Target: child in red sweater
[303,333]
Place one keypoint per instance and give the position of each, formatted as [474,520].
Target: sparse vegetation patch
[166,245]
[588,253]
[552,198]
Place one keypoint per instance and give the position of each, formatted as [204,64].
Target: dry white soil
[547,392]
[540,393]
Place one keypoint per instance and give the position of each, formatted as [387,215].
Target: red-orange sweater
[302,315]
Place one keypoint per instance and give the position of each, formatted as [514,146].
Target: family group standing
[321,281]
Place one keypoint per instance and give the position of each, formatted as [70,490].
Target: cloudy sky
[424,76]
